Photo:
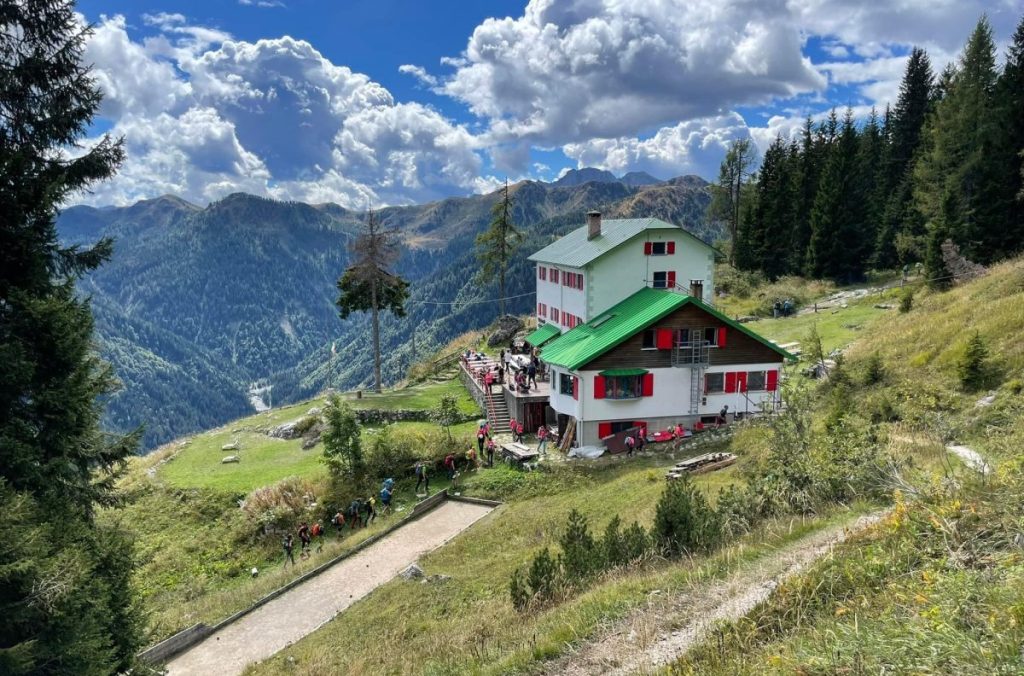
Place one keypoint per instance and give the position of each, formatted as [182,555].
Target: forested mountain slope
[199,302]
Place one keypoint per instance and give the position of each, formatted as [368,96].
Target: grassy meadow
[938,587]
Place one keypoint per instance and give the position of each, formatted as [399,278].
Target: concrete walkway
[302,610]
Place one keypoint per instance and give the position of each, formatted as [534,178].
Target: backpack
[317,530]
[419,470]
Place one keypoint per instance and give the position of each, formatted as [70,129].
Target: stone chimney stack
[593,224]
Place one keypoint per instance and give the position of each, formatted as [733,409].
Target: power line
[469,302]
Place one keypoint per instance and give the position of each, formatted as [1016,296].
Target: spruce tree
[1010,102]
[957,178]
[727,195]
[806,178]
[834,218]
[773,215]
[66,603]
[496,245]
[905,124]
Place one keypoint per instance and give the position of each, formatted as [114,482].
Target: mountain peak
[633,179]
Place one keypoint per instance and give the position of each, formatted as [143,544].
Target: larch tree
[369,286]
[65,597]
[496,244]
[728,192]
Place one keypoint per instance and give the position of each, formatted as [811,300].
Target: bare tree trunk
[501,292]
[376,337]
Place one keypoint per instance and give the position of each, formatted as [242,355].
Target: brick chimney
[593,224]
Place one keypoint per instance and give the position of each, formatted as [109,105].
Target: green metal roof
[624,372]
[575,250]
[542,334]
[586,342]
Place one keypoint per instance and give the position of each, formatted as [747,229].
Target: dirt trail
[670,625]
[302,610]
[971,458]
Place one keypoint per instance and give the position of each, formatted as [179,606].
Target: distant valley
[198,303]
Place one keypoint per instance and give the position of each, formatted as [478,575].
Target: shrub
[543,576]
[305,424]
[343,451]
[387,456]
[613,546]
[580,556]
[906,301]
[874,370]
[973,365]
[735,511]
[517,590]
[281,504]
[684,523]
[636,543]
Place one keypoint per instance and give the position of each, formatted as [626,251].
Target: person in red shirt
[519,432]
[542,440]
[449,464]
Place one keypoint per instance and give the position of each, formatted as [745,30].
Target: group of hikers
[519,377]
[360,513]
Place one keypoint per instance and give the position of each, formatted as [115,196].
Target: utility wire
[468,302]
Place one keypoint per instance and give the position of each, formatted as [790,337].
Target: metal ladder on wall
[696,376]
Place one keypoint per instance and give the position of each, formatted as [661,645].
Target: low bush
[684,522]
[280,505]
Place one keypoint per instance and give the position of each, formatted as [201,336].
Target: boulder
[233,446]
[412,572]
[310,441]
[285,431]
[315,411]
[508,327]
[230,459]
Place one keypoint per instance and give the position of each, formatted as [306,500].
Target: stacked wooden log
[709,462]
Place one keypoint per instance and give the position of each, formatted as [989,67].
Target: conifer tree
[1010,101]
[65,598]
[369,286]
[806,179]
[956,181]
[727,195]
[496,245]
[905,127]
[834,221]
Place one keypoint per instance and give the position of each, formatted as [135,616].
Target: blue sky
[391,102]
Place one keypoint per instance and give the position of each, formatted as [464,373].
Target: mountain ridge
[198,302]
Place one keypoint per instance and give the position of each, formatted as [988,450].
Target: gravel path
[668,626]
[303,609]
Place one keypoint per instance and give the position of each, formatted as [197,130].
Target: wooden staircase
[497,409]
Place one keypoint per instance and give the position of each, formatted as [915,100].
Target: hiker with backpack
[371,511]
[422,477]
[317,532]
[288,545]
[481,438]
[304,538]
[354,511]
[449,465]
[385,499]
[490,452]
[339,522]
[471,459]
[630,445]
[542,443]
[519,432]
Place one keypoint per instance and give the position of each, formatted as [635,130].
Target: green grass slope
[938,587]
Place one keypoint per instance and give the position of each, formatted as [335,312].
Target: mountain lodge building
[630,338]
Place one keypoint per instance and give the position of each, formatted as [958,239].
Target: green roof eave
[542,334]
[583,344]
[624,372]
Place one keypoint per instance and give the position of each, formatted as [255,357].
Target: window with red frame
[554,314]
[554,275]
[542,273]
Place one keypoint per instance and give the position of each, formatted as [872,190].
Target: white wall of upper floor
[623,271]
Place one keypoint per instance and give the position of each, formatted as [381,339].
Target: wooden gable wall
[739,347]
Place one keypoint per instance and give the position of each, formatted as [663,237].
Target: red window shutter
[647,386]
[575,388]
[721,337]
[670,247]
[671,279]
[604,430]
[663,339]
[648,247]
[540,313]
[579,282]
[741,381]
[730,383]
[598,387]
[771,382]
